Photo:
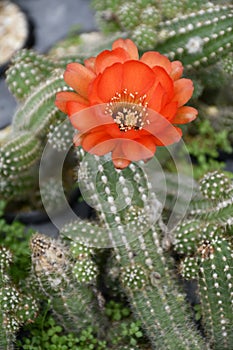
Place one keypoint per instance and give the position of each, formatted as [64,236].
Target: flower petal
[149,144]
[152,59]
[137,77]
[134,150]
[169,111]
[118,157]
[90,63]
[107,58]
[177,70]
[90,118]
[161,129]
[168,136]
[128,46]
[185,115]
[183,90]
[66,96]
[155,97]
[105,86]
[120,163]
[98,143]
[74,107]
[78,77]
[165,81]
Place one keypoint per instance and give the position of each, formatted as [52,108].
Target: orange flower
[126,105]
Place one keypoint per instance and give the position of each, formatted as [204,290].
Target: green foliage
[47,334]
[15,237]
[18,305]
[212,143]
[116,311]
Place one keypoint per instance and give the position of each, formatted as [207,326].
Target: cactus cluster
[34,79]
[66,281]
[137,254]
[128,250]
[204,241]
[196,32]
[17,308]
[129,231]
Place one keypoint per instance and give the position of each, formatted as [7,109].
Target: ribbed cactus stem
[17,307]
[216,289]
[19,154]
[127,212]
[66,282]
[27,70]
[211,267]
[38,112]
[17,158]
[217,189]
[5,134]
[205,242]
[199,38]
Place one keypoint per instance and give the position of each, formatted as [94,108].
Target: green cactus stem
[200,38]
[127,214]
[5,134]
[204,240]
[19,154]
[38,112]
[17,157]
[211,266]
[17,308]
[194,32]
[227,64]
[28,69]
[67,282]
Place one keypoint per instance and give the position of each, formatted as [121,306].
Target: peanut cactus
[28,69]
[17,308]
[204,239]
[195,32]
[66,281]
[34,123]
[18,157]
[127,225]
[199,38]
[126,249]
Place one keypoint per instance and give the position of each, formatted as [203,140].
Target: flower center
[128,110]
